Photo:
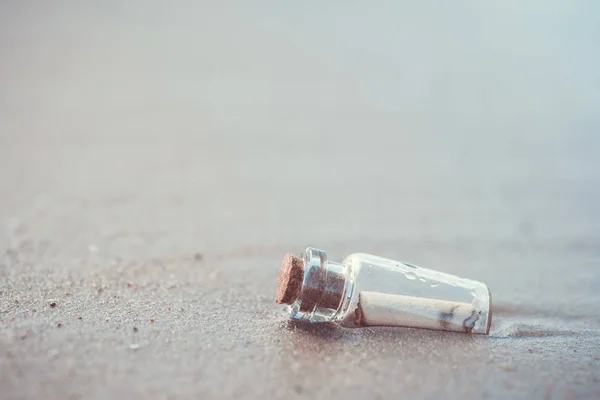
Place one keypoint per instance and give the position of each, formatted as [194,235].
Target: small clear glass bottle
[366,290]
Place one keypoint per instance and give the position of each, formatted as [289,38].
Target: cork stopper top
[289,280]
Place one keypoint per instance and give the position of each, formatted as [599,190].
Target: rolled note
[397,310]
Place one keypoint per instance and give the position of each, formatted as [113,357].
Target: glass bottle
[366,290]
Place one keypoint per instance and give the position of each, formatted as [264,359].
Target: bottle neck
[323,288]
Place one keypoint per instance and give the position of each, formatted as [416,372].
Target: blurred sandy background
[158,160]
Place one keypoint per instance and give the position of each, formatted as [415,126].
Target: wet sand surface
[156,163]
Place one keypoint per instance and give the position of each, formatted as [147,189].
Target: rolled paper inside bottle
[397,310]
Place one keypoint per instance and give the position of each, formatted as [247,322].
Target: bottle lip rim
[489,316]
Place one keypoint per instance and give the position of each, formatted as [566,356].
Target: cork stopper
[289,280]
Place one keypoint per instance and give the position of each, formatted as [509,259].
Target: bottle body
[367,290]
[387,292]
